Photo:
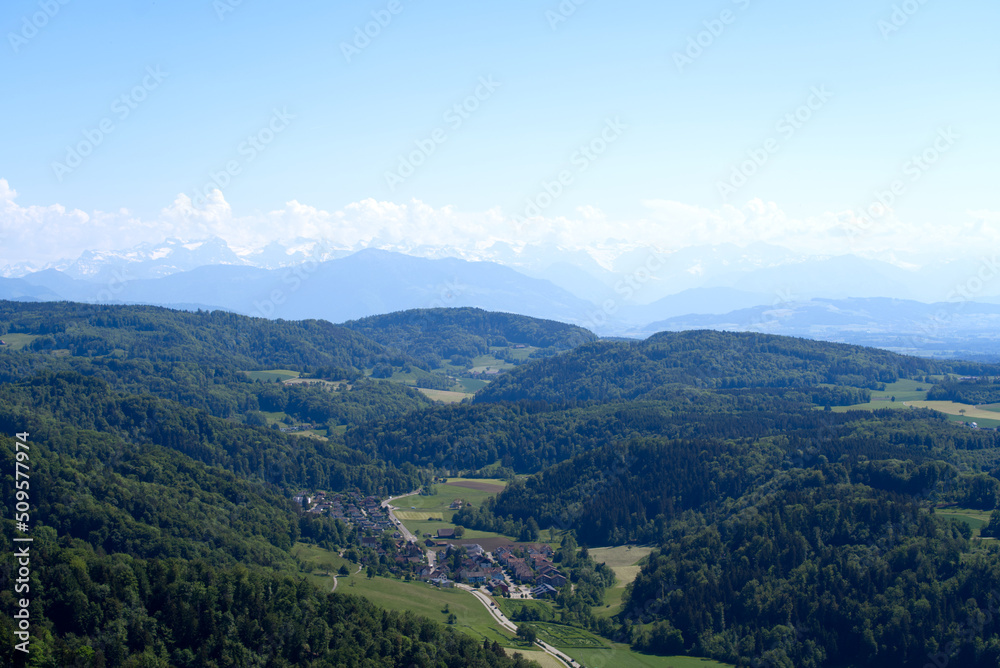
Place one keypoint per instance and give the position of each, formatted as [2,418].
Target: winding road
[502,620]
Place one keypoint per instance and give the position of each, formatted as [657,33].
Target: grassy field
[429,601]
[509,606]
[539,657]
[271,375]
[902,390]
[319,565]
[623,555]
[415,511]
[592,650]
[993,408]
[624,561]
[621,656]
[445,396]
[976,519]
[274,417]
[472,385]
[17,341]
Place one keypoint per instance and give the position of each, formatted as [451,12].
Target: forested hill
[432,334]
[613,371]
[214,338]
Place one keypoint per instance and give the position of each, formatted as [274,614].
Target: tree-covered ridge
[267,455]
[208,339]
[821,573]
[982,390]
[143,556]
[432,334]
[93,609]
[614,371]
[631,490]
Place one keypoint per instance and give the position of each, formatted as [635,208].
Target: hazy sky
[669,123]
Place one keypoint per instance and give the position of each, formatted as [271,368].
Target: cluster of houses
[532,564]
[364,512]
[474,567]
[527,564]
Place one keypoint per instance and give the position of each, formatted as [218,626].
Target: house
[2,342]
[543,550]
[444,583]
[456,504]
[473,577]
[555,579]
[543,591]
[445,533]
[499,586]
[370,541]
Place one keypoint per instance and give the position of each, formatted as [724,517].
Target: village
[516,570]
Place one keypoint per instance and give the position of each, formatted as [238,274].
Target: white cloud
[44,234]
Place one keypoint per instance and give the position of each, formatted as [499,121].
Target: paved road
[395,520]
[502,620]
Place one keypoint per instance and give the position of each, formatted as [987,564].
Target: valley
[696,498]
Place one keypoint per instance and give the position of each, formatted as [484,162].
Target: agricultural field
[993,408]
[416,511]
[961,412]
[565,637]
[271,375]
[966,411]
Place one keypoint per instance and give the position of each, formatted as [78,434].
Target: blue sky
[897,75]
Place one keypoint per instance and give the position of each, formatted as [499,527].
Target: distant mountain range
[637,293]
